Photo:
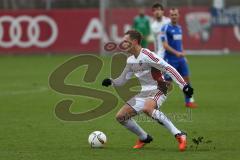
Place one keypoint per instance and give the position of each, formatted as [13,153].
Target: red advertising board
[79,31]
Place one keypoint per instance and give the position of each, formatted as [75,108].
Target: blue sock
[187,99]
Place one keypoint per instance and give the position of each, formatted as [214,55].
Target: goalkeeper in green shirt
[141,23]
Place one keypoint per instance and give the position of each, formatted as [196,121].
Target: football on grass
[97,139]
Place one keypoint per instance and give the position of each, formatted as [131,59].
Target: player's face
[174,15]
[127,44]
[157,12]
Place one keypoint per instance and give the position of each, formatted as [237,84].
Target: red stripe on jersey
[152,58]
[150,55]
[176,75]
[157,95]
[156,99]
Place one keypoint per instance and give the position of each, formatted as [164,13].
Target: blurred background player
[158,22]
[172,41]
[141,23]
[156,25]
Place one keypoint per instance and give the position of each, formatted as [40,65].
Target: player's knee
[149,106]
[120,118]
[147,110]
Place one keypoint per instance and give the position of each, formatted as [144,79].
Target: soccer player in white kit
[151,96]
[158,22]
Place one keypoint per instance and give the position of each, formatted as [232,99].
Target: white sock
[131,125]
[191,99]
[161,118]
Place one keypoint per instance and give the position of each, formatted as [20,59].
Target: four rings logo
[12,31]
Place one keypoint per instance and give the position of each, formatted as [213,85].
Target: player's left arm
[158,63]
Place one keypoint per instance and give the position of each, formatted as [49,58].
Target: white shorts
[138,101]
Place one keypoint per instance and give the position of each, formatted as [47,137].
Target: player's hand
[188,90]
[183,54]
[180,54]
[106,82]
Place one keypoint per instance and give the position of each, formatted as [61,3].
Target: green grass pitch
[29,129]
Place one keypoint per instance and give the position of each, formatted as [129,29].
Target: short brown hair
[174,9]
[133,34]
[157,5]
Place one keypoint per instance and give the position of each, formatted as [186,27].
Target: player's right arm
[124,77]
[121,80]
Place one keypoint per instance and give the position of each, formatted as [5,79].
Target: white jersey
[156,27]
[142,66]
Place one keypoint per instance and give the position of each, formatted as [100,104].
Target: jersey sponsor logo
[177,37]
[34,30]
[136,67]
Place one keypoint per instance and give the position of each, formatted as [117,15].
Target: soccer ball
[97,139]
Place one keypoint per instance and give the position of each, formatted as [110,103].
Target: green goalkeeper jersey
[142,24]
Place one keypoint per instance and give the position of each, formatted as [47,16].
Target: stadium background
[63,29]
[206,27]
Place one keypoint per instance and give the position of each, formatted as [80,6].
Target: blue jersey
[173,35]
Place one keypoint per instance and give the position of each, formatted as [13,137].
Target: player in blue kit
[171,37]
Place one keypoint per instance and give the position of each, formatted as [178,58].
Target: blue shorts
[180,65]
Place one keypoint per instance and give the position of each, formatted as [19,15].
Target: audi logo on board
[33,31]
